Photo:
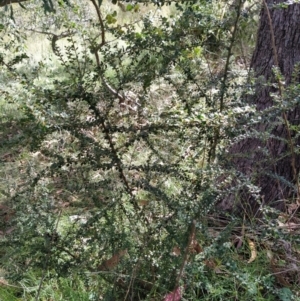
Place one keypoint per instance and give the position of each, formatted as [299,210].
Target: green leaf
[129,7]
[111,18]
[285,294]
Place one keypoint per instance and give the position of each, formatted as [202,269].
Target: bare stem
[186,254]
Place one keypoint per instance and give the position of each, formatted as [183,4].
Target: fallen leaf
[196,248]
[111,263]
[143,202]
[292,208]
[289,226]
[253,251]
[270,254]
[176,251]
[210,263]
[3,282]
[175,295]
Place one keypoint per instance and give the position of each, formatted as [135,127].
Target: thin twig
[217,130]
[101,24]
[104,124]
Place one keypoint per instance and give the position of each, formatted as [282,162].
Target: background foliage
[114,138]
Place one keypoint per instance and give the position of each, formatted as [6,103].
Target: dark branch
[7,2]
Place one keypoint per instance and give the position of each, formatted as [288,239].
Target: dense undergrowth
[113,155]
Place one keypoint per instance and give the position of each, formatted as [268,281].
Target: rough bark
[273,171]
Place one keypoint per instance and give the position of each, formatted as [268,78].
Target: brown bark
[273,171]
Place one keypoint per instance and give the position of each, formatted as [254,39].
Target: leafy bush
[119,147]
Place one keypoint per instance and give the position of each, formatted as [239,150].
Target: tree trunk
[269,164]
